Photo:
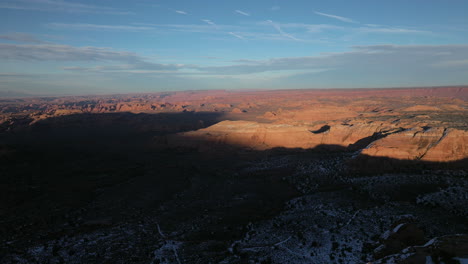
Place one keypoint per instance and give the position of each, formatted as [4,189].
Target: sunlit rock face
[266,136]
[430,144]
[377,140]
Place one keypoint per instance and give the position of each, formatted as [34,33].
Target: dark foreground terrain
[176,186]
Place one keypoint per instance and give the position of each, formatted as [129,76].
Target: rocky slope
[375,139]
[427,144]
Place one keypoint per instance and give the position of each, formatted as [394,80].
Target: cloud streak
[21,37]
[385,59]
[80,26]
[389,61]
[284,34]
[60,6]
[283,31]
[343,19]
[54,52]
[236,35]
[127,61]
[180,12]
[209,22]
[193,28]
[390,30]
[242,12]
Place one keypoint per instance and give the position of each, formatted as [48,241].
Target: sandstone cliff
[382,139]
[428,144]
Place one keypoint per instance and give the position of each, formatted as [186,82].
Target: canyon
[274,176]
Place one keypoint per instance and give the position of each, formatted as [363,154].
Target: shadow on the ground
[73,174]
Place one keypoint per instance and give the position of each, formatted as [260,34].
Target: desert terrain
[215,176]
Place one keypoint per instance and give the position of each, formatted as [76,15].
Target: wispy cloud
[59,6]
[180,12]
[246,61]
[55,52]
[129,68]
[194,28]
[278,28]
[246,31]
[242,12]
[209,22]
[311,28]
[66,53]
[387,60]
[282,31]
[80,26]
[343,19]
[392,30]
[322,27]
[303,29]
[21,37]
[394,64]
[275,8]
[236,35]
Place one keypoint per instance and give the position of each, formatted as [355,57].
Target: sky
[65,47]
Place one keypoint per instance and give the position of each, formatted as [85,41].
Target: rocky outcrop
[262,136]
[374,139]
[453,145]
[246,134]
[426,144]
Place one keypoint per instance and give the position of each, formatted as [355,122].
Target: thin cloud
[246,61]
[368,29]
[275,8]
[278,28]
[180,12]
[150,67]
[236,35]
[343,19]
[391,30]
[242,12]
[322,27]
[387,62]
[384,59]
[194,28]
[21,37]
[59,6]
[80,26]
[311,28]
[66,53]
[209,22]
[54,52]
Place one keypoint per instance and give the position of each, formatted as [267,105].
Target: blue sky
[55,47]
